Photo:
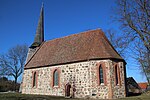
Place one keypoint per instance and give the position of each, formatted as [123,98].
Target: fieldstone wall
[82,76]
[119,89]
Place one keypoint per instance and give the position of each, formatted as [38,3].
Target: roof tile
[87,45]
[143,85]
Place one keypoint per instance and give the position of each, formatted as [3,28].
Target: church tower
[39,36]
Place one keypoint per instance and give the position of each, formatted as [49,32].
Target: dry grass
[17,96]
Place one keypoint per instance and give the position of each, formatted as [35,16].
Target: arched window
[55,78]
[116,74]
[34,79]
[101,77]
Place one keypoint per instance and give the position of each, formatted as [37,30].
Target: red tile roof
[87,45]
[143,85]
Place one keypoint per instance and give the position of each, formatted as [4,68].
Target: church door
[67,88]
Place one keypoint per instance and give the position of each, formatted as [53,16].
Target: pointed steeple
[39,37]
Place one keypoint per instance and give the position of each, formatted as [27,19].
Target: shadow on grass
[18,96]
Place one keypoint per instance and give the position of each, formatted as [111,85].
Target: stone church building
[83,65]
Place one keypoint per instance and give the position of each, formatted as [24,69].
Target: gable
[77,47]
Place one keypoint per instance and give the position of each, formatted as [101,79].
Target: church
[82,65]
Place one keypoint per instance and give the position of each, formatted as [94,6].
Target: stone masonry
[83,78]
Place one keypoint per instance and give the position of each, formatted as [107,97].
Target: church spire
[39,37]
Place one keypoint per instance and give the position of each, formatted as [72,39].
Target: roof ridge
[143,83]
[79,33]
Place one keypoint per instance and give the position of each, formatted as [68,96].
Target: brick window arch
[117,75]
[34,80]
[101,74]
[55,78]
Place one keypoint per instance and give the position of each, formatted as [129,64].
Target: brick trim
[125,79]
[36,79]
[118,74]
[52,82]
[102,64]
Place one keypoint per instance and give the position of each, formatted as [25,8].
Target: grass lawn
[17,96]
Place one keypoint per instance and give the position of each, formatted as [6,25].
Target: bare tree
[134,17]
[4,71]
[141,54]
[14,60]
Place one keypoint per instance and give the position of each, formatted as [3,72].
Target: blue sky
[19,19]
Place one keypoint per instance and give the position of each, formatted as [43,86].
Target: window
[116,74]
[101,78]
[55,78]
[101,73]
[34,79]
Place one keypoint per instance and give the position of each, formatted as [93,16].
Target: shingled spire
[39,37]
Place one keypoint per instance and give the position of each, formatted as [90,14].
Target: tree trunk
[15,83]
